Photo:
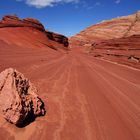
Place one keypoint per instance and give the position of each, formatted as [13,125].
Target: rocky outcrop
[19,102]
[58,38]
[116,28]
[29,30]
[14,21]
[124,50]
[134,28]
[117,40]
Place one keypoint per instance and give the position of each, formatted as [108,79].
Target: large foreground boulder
[18,98]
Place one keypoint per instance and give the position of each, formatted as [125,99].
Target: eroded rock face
[116,40]
[111,29]
[58,38]
[32,31]
[18,98]
[14,21]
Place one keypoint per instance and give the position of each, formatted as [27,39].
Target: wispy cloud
[97,4]
[118,1]
[88,6]
[94,5]
[45,3]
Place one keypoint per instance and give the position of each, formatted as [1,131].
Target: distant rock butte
[13,30]
[116,28]
[19,102]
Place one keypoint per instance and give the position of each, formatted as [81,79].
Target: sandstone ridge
[14,21]
[30,31]
[116,28]
[115,40]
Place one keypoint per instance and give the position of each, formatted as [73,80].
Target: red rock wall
[117,40]
[29,32]
[115,28]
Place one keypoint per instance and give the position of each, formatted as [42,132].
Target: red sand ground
[86,98]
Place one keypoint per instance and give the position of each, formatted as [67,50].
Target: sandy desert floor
[86,98]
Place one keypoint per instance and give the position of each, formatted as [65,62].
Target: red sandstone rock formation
[29,32]
[14,21]
[58,38]
[116,28]
[86,97]
[124,50]
[18,98]
[117,40]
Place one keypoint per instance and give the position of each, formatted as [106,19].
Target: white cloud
[117,1]
[45,3]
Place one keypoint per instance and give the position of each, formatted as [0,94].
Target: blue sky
[69,17]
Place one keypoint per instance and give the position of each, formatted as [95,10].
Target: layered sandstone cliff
[117,40]
[116,28]
[29,32]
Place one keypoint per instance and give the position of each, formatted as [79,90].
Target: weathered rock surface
[14,21]
[116,28]
[124,50]
[19,101]
[58,38]
[117,40]
[29,32]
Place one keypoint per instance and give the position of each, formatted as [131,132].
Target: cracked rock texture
[18,98]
